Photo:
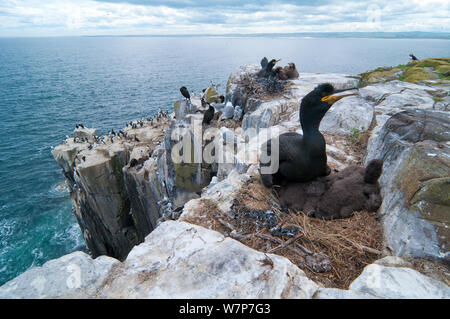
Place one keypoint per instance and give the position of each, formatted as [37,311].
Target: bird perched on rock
[413,57]
[185,92]
[286,73]
[291,71]
[268,70]
[209,115]
[301,158]
[271,64]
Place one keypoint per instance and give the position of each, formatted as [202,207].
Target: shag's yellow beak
[331,99]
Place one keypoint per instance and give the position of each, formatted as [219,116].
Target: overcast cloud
[109,17]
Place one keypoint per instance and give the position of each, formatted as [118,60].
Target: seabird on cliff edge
[303,157]
[185,92]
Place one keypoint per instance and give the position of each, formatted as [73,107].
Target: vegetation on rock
[432,71]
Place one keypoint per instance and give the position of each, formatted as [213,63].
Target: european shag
[133,162]
[291,71]
[286,73]
[413,57]
[270,65]
[209,115]
[303,157]
[268,70]
[337,195]
[264,63]
[185,92]
[280,73]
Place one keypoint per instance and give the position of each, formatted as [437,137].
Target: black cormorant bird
[133,162]
[413,57]
[280,73]
[264,63]
[270,65]
[185,92]
[267,71]
[303,157]
[209,115]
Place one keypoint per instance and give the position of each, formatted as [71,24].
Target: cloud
[89,17]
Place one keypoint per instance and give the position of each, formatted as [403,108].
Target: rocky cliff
[129,191]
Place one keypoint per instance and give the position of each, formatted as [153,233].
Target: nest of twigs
[332,253]
[264,88]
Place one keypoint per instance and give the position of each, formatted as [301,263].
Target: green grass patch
[444,76]
[355,136]
[401,66]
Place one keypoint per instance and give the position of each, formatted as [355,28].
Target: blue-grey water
[49,84]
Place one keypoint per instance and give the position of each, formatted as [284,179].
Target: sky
[172,17]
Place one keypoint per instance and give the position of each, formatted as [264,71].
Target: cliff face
[109,197]
[123,185]
[119,201]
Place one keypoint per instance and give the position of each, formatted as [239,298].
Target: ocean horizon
[365,35]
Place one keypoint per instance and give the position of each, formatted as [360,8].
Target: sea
[47,85]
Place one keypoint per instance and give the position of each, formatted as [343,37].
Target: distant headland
[371,35]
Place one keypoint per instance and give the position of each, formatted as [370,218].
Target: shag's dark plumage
[239,97]
[338,195]
[279,73]
[413,57]
[270,65]
[267,71]
[185,92]
[209,115]
[133,162]
[264,63]
[302,157]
